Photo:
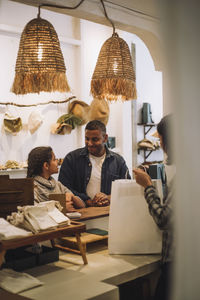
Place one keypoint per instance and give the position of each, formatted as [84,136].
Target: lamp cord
[113,26]
[74,7]
[58,6]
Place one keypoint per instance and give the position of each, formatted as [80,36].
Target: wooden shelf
[86,238]
[146,128]
[147,125]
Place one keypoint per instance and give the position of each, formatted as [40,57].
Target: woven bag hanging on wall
[40,64]
[114,76]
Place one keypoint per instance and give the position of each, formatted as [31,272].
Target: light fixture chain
[104,8]
[58,6]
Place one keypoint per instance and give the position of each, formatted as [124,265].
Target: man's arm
[124,170]
[66,176]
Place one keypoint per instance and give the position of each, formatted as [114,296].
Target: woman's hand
[142,178]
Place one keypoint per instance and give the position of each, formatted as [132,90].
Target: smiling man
[88,172]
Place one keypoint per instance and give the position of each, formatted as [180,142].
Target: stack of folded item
[40,217]
[9,231]
[16,282]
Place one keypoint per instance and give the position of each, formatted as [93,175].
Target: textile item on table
[9,231]
[39,217]
[16,282]
[54,212]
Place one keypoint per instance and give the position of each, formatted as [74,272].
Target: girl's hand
[78,203]
[69,202]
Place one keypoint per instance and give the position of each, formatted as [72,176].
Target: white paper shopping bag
[132,229]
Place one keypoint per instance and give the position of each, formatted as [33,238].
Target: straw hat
[65,124]
[155,134]
[34,121]
[12,124]
[99,110]
[80,109]
[62,129]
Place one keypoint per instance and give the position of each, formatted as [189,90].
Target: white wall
[80,59]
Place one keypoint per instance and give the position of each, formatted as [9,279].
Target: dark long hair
[164,128]
[36,158]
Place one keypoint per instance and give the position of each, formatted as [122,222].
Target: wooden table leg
[81,248]
[53,243]
[2,254]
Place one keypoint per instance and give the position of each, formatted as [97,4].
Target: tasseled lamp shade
[114,77]
[40,64]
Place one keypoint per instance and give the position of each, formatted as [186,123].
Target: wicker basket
[114,77]
[40,64]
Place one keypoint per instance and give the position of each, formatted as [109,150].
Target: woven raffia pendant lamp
[40,64]
[114,76]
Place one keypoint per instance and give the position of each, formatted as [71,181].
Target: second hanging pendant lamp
[114,76]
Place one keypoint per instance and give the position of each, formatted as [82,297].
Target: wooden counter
[98,280]
[89,213]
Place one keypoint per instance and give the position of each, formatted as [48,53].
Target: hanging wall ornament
[40,64]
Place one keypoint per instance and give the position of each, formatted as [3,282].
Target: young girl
[41,165]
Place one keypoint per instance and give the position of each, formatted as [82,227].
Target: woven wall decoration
[40,64]
[114,76]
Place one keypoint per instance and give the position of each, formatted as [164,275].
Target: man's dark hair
[164,128]
[96,125]
[36,158]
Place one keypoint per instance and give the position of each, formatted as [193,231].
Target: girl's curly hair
[36,158]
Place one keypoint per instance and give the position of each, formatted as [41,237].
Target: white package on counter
[132,229]
[16,282]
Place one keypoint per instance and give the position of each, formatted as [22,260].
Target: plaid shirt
[162,215]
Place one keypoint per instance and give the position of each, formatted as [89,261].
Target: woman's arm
[161,213]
